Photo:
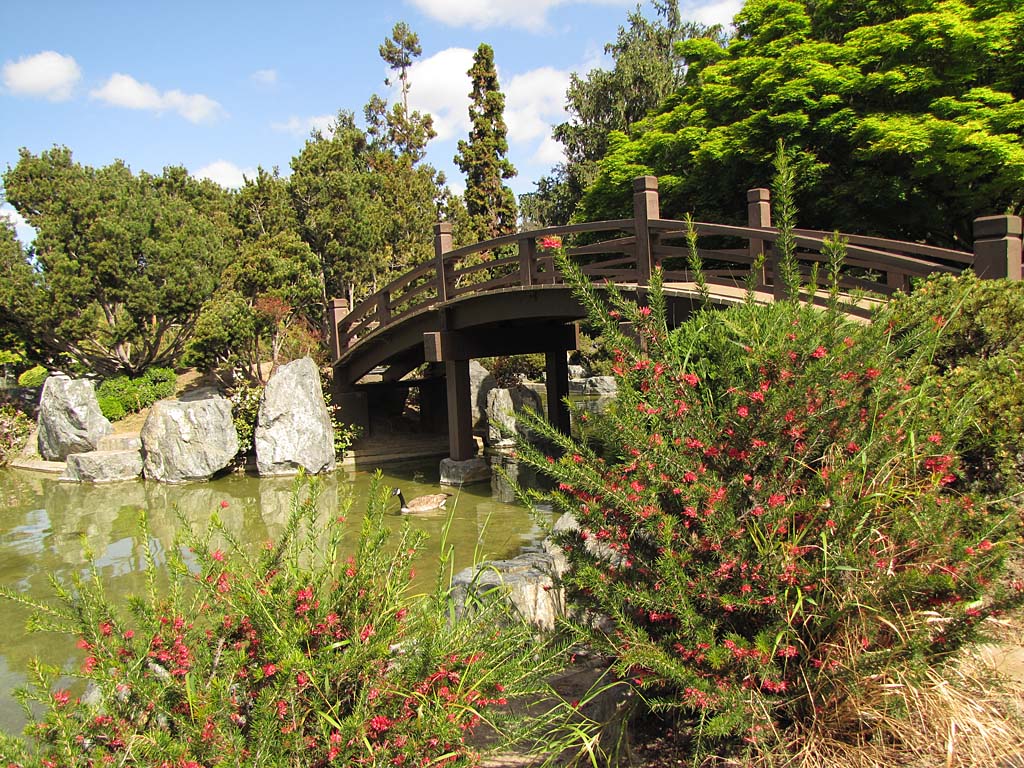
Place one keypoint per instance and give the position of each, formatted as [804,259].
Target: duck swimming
[426,503]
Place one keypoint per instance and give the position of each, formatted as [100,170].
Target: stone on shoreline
[191,438]
[70,420]
[294,429]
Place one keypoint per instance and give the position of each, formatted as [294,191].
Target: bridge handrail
[635,254]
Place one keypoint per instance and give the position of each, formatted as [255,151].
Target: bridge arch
[505,296]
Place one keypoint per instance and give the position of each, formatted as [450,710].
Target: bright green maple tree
[908,117]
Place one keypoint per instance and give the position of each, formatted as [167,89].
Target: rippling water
[43,523]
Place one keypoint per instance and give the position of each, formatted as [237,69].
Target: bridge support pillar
[557,381]
[461,445]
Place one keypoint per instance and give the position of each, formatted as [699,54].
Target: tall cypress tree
[483,158]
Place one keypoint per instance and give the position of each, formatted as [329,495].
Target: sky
[223,87]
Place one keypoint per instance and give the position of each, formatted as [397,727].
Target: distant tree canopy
[121,264]
[906,117]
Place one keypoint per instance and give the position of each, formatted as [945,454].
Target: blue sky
[224,87]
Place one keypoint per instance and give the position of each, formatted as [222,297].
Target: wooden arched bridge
[505,297]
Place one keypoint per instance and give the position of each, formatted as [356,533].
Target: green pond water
[43,523]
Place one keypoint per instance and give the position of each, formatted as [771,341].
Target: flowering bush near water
[296,656]
[772,515]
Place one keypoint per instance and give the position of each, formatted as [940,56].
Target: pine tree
[483,158]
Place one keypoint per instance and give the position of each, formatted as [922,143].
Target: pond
[44,523]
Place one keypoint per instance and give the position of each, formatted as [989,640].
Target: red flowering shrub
[769,515]
[298,656]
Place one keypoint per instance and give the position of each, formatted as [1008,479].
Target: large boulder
[481,381]
[70,420]
[525,582]
[294,430]
[191,438]
[503,409]
[103,466]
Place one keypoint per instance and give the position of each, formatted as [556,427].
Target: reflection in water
[44,524]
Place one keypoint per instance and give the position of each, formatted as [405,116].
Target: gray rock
[480,383]
[120,441]
[507,472]
[503,409]
[475,470]
[524,581]
[191,438]
[103,466]
[70,420]
[601,385]
[294,430]
[577,372]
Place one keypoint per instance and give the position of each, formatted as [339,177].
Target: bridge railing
[626,251]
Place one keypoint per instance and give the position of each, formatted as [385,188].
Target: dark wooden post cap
[443,228]
[993,227]
[759,195]
[645,184]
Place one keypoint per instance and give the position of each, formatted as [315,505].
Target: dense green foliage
[33,377]
[908,118]
[771,516]
[979,360]
[483,156]
[124,394]
[647,68]
[311,652]
[245,410]
[15,427]
[121,263]
[263,305]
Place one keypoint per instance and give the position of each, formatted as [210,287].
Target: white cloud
[47,74]
[265,76]
[439,85]
[717,12]
[303,126]
[26,233]
[549,153]
[526,14]
[534,101]
[125,91]
[225,173]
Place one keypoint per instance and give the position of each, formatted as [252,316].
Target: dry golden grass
[962,715]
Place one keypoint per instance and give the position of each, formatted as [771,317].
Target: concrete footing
[467,472]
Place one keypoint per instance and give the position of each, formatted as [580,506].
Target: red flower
[550,243]
[819,353]
[224,505]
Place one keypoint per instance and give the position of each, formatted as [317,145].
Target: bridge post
[759,214]
[442,245]
[527,259]
[646,207]
[556,378]
[997,247]
[336,310]
[461,445]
